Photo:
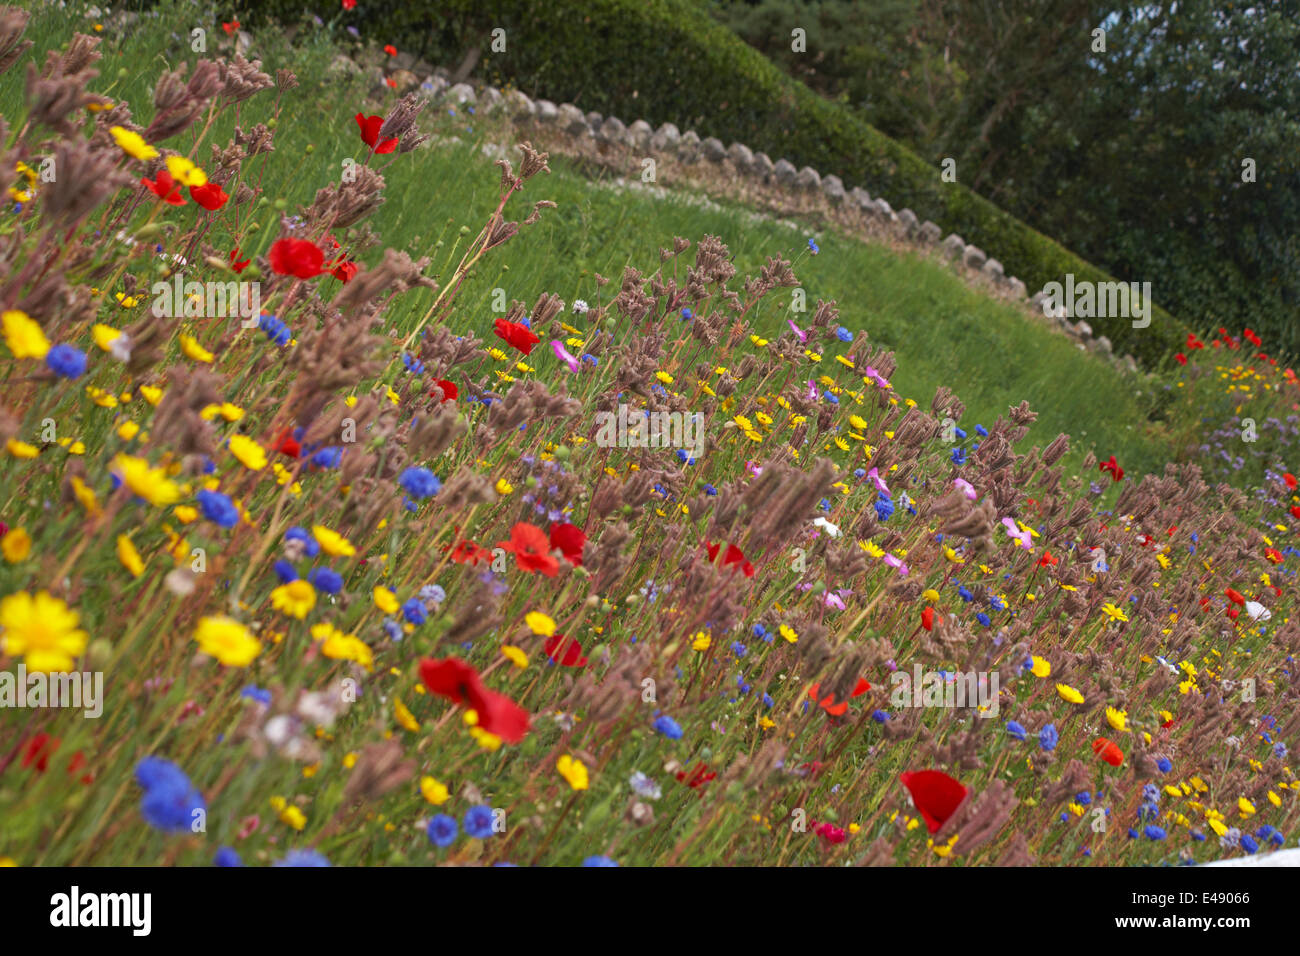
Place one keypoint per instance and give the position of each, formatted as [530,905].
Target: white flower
[831,529]
[1257,611]
[580,306]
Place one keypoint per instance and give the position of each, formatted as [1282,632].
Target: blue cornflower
[880,716]
[959,456]
[155,772]
[884,508]
[478,822]
[981,431]
[768,701]
[218,508]
[326,580]
[843,334]
[433,593]
[284,571]
[983,619]
[275,330]
[258,694]
[598,861]
[1048,738]
[1248,843]
[304,858]
[965,593]
[66,361]
[1015,730]
[1164,764]
[311,547]
[413,364]
[393,630]
[419,482]
[170,803]
[328,457]
[668,727]
[687,315]
[442,830]
[414,611]
[226,857]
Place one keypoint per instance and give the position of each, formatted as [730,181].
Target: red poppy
[76,763]
[733,556]
[343,269]
[1273,554]
[286,444]
[1233,613]
[467,552]
[1180,358]
[297,257]
[565,651]
[568,539]
[390,49]
[830,833]
[698,777]
[37,751]
[370,126]
[230,27]
[1113,467]
[516,334]
[532,549]
[1108,751]
[927,619]
[1193,342]
[1234,596]
[1047,560]
[165,188]
[828,703]
[1291,481]
[235,263]
[392,83]
[449,390]
[935,794]
[349,4]
[210,196]
[460,683]
[1252,338]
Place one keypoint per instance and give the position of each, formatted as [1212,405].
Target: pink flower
[753,468]
[1023,538]
[874,477]
[965,487]
[812,391]
[897,564]
[875,376]
[803,336]
[563,355]
[833,600]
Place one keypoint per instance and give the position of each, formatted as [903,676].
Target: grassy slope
[943,332]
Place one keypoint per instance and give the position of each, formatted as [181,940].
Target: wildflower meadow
[372,497]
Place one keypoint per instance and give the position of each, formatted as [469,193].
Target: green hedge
[667,60]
